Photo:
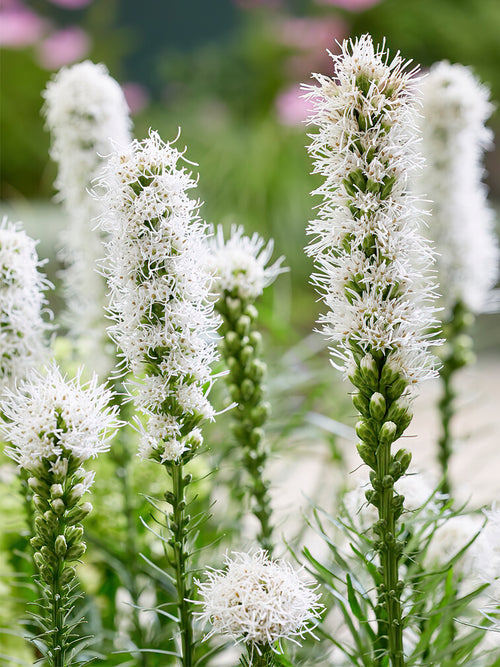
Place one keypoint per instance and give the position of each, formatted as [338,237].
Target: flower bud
[247,389]
[255,340]
[369,371]
[74,495]
[233,307]
[56,491]
[395,389]
[256,436]
[58,506]
[360,402]
[365,431]
[48,556]
[243,325]
[377,406]
[251,311]
[38,486]
[67,576]
[60,546]
[367,454]
[234,392]
[78,513]
[387,433]
[260,413]
[76,551]
[50,519]
[247,354]
[73,534]
[232,341]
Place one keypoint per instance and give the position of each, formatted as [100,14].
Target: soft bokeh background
[228,73]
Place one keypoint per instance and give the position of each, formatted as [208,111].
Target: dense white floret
[51,417]
[257,600]
[22,326]
[240,263]
[371,257]
[159,288]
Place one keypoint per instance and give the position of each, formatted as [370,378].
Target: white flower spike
[160,291]
[87,115]
[455,108]
[21,304]
[367,246]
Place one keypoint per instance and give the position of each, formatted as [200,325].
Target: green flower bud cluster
[385,413]
[59,510]
[242,348]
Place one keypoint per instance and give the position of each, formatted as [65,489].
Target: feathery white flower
[49,417]
[22,304]
[455,108]
[486,552]
[257,600]
[240,263]
[367,245]
[449,539]
[87,115]
[160,289]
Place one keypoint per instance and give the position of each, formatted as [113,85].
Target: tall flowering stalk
[372,262]
[86,114]
[54,425]
[22,303]
[239,265]
[455,108]
[164,324]
[258,602]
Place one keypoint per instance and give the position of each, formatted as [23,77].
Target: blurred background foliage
[227,72]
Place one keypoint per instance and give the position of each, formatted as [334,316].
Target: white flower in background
[455,108]
[22,327]
[371,257]
[486,553]
[87,115]
[160,291]
[53,418]
[240,263]
[454,533]
[257,600]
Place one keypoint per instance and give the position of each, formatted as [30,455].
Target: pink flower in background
[352,5]
[19,26]
[71,4]
[310,37]
[291,107]
[63,47]
[136,95]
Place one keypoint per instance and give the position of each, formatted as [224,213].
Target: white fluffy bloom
[367,245]
[455,108]
[486,553]
[449,539]
[49,417]
[86,114]
[22,326]
[160,287]
[257,600]
[240,263]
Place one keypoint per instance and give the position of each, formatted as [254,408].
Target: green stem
[457,354]
[122,460]
[178,522]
